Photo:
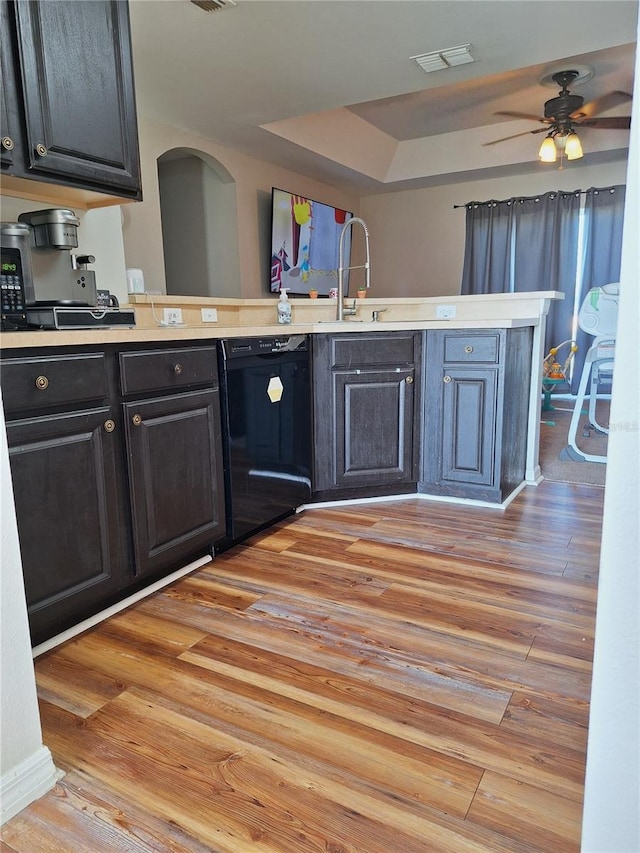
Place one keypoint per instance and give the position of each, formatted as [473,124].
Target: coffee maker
[59,278]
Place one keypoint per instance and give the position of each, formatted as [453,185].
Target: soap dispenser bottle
[284,307]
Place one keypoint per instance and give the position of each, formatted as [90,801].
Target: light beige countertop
[257,318]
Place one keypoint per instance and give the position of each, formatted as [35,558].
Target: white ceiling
[327,87]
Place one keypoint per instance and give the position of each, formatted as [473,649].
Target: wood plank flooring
[408,677]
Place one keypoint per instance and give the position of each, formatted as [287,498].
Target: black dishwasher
[266,430]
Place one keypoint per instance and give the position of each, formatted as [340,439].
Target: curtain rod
[566,192]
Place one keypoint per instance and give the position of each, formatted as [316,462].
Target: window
[566,241]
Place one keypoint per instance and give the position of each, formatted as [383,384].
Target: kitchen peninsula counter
[256,318]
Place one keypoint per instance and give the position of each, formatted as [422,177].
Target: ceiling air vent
[437,60]
[213,5]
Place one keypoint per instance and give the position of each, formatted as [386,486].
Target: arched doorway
[199,225]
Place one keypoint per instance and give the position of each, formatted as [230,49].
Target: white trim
[116,608]
[356,501]
[514,494]
[421,496]
[27,782]
[534,477]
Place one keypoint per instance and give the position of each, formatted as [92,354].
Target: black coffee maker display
[16,284]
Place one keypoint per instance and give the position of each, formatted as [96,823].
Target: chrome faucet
[341,269]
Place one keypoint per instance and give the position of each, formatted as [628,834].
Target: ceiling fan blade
[606,123]
[523,115]
[600,105]
[524,133]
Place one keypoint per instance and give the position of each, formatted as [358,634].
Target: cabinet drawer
[380,348]
[170,369]
[465,348]
[29,384]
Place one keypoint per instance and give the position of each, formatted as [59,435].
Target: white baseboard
[423,496]
[534,477]
[27,782]
[92,621]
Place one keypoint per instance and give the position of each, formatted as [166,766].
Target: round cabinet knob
[42,383]
[447,379]
[7,143]
[177,369]
[468,348]
[136,420]
[109,425]
[409,380]
[41,150]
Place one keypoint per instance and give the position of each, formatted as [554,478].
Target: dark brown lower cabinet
[468,425]
[374,412]
[476,406]
[110,492]
[72,526]
[116,452]
[174,451]
[366,412]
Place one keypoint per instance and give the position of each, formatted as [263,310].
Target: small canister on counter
[135,281]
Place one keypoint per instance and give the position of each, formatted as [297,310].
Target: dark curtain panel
[528,244]
[546,255]
[603,220]
[487,254]
[604,215]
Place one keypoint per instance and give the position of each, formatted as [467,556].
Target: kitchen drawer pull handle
[468,348]
[109,425]
[136,420]
[177,369]
[42,383]
[7,143]
[41,150]
[409,380]
[447,379]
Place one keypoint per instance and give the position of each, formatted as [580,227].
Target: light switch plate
[209,315]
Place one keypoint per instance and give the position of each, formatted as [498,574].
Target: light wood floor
[390,678]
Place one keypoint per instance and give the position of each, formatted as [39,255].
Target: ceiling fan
[564,113]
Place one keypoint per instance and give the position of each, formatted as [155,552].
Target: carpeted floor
[553,439]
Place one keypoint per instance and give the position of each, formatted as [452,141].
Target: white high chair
[598,316]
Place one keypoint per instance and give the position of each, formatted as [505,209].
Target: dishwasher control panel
[244,347]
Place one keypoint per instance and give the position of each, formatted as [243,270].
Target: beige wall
[417,238]
[142,230]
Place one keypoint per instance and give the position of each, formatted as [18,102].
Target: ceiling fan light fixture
[547,153]
[573,147]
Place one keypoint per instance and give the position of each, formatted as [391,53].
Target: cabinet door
[374,426]
[73,536]
[469,425]
[174,450]
[9,125]
[78,93]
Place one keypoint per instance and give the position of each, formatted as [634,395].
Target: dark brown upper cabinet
[68,95]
